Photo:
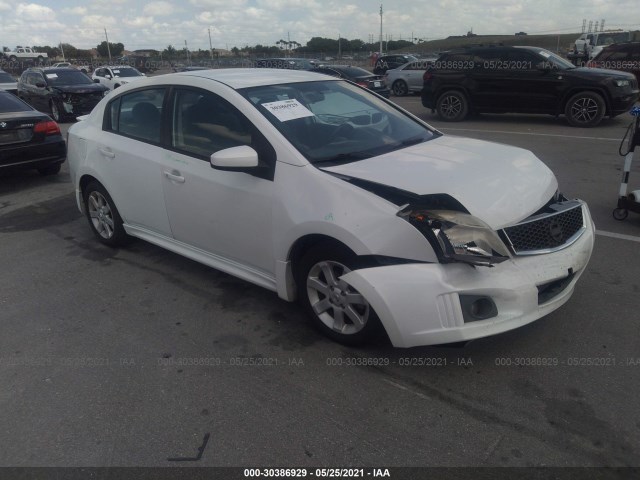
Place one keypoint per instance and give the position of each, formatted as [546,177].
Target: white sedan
[326,193]
[407,78]
[114,77]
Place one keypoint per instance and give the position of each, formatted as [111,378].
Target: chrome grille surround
[547,232]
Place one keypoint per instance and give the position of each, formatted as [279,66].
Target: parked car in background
[28,139]
[590,44]
[389,62]
[322,191]
[619,56]
[287,63]
[358,75]
[504,79]
[61,65]
[8,83]
[115,76]
[65,93]
[406,78]
[25,53]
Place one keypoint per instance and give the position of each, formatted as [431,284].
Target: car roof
[251,77]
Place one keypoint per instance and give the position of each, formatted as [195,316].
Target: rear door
[128,158]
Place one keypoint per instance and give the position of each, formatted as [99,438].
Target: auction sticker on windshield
[285,110]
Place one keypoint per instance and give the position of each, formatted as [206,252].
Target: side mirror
[41,84]
[108,77]
[235,159]
[96,80]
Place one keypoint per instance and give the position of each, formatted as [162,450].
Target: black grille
[548,232]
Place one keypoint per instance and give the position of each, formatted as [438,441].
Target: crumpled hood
[497,183]
[87,88]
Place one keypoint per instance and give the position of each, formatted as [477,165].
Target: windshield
[336,122]
[607,38]
[126,72]
[555,60]
[6,78]
[60,78]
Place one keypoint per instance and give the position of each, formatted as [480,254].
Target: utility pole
[381,29]
[108,48]
[339,48]
[187,49]
[62,50]
[210,47]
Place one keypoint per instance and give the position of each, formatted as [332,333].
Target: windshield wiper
[344,157]
[413,141]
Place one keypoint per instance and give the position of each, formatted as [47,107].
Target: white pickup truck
[589,44]
[25,53]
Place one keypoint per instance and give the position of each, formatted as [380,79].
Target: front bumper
[419,304]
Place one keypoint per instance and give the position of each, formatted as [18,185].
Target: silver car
[407,78]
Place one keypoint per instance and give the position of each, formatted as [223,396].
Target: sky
[141,24]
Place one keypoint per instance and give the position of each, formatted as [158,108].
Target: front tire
[452,106]
[55,111]
[103,216]
[335,307]
[585,109]
[400,88]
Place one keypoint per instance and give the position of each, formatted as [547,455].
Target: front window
[59,78]
[336,122]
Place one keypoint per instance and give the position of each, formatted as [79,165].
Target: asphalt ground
[130,357]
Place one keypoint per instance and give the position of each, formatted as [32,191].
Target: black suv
[499,79]
[61,92]
[619,56]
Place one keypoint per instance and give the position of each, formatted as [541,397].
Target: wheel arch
[600,91]
[298,248]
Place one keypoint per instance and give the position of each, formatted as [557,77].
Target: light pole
[380,29]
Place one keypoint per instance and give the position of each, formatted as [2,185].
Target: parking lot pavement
[129,357]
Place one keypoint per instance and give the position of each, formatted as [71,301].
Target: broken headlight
[457,236]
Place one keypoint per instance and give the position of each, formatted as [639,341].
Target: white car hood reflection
[497,183]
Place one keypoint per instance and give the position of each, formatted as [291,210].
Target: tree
[169,52]
[115,48]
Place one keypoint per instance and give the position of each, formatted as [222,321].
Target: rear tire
[103,216]
[335,308]
[400,88]
[452,106]
[585,109]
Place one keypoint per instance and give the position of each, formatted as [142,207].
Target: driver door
[224,213]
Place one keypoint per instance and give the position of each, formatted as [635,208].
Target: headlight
[458,236]
[622,83]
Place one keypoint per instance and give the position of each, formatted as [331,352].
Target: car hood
[599,72]
[497,183]
[88,88]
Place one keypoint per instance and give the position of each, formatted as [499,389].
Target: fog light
[477,307]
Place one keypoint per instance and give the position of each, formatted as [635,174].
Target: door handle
[106,152]
[174,176]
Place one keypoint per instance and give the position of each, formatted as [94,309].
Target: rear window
[11,103]
[6,78]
